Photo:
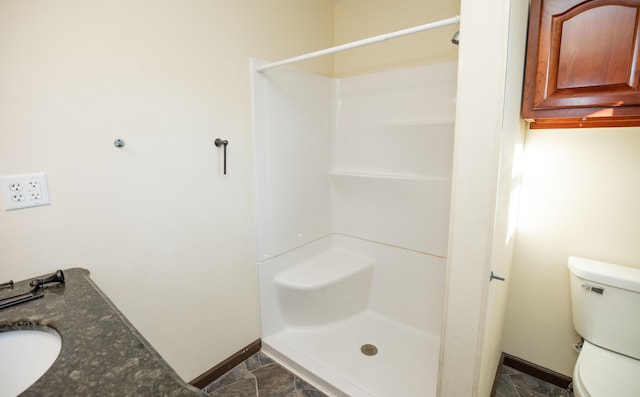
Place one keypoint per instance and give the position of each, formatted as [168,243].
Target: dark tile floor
[259,376]
[514,383]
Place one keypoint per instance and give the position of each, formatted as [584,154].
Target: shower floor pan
[406,362]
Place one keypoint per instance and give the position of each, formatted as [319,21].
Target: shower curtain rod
[360,43]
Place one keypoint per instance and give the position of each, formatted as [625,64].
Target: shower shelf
[374,175]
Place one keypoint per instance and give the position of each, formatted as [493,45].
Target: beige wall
[167,237]
[579,197]
[360,19]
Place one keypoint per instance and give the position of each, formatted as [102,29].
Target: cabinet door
[583,60]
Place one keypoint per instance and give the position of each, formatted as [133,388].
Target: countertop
[102,353]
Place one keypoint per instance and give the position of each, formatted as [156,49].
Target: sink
[25,355]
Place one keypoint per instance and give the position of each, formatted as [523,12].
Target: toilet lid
[603,373]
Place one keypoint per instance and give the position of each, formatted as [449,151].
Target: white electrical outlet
[23,191]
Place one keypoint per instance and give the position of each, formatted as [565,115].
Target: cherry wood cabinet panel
[583,64]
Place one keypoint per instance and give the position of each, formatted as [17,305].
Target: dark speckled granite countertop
[102,353]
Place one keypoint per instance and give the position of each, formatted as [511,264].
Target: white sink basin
[25,355]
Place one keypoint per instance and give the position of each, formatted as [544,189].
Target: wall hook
[119,143]
[220,142]
[494,277]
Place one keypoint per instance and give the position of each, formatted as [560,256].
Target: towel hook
[220,142]
[494,277]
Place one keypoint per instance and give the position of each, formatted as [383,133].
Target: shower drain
[369,350]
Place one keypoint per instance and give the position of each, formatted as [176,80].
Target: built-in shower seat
[325,288]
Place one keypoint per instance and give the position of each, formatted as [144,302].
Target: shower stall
[353,190]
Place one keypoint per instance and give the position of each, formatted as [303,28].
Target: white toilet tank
[605,299]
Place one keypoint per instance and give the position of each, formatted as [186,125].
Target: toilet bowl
[601,372]
[605,303]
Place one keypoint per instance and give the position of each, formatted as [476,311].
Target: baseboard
[532,369]
[225,366]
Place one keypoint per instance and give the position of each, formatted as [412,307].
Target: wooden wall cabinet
[582,65]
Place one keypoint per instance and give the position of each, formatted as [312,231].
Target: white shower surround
[356,168]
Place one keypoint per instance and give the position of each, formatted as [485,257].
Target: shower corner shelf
[380,175]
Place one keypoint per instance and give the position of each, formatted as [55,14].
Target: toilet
[605,302]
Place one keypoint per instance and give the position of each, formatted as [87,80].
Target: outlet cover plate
[24,191]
